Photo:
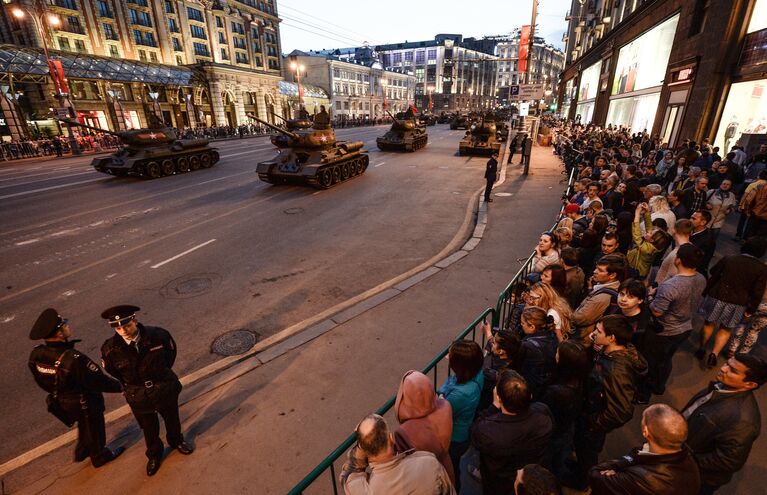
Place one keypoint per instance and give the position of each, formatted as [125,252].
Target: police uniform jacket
[79,378]
[491,169]
[145,373]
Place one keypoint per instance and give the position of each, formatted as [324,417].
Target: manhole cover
[192,285]
[294,211]
[234,343]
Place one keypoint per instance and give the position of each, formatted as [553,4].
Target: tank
[406,134]
[310,155]
[153,153]
[443,118]
[427,119]
[480,139]
[460,122]
[501,130]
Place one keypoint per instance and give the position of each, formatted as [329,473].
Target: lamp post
[471,98]
[430,90]
[383,93]
[39,20]
[155,95]
[297,70]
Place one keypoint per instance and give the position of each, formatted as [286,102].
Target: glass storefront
[567,99]
[639,76]
[745,114]
[587,93]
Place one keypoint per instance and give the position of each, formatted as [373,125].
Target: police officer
[141,358]
[490,175]
[74,384]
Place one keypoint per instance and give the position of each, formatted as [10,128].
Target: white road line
[378,164]
[183,254]
[241,153]
[43,180]
[32,191]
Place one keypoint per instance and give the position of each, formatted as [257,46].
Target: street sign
[524,109]
[514,92]
[62,112]
[531,91]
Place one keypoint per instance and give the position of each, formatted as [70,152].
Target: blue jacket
[464,398]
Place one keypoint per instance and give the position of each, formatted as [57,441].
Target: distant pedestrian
[141,358]
[74,384]
[491,172]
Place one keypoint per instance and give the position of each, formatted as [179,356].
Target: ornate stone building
[117,54]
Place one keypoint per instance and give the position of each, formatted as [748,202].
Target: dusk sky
[314,25]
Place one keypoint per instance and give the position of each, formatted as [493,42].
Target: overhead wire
[364,37]
[315,33]
[354,41]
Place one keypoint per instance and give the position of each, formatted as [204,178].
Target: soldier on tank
[75,385]
[141,358]
[322,119]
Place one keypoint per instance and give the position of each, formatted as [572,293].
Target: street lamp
[430,90]
[471,98]
[297,70]
[383,92]
[39,19]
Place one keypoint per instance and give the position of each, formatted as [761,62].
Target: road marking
[29,176]
[237,154]
[378,164]
[30,241]
[158,265]
[42,189]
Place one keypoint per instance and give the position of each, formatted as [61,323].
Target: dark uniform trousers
[151,387]
[77,385]
[490,176]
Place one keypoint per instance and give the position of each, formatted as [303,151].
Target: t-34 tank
[153,153]
[309,154]
[406,134]
[480,139]
[460,122]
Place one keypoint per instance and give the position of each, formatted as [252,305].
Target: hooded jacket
[611,387]
[426,422]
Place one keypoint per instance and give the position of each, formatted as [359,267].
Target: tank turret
[406,134]
[153,153]
[310,154]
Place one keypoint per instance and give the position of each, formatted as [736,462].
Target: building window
[67,4]
[64,44]
[194,14]
[337,73]
[224,55]
[104,10]
[238,28]
[173,25]
[80,46]
[221,37]
[241,58]
[109,32]
[139,17]
[179,60]
[408,56]
[143,38]
[699,15]
[114,51]
[140,3]
[74,26]
[274,64]
[259,62]
[397,58]
[420,57]
[201,49]
[142,55]
[219,22]
[169,7]
[239,43]
[198,32]
[177,45]
[152,56]
[338,105]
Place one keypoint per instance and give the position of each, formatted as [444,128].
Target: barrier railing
[433,368]
[499,314]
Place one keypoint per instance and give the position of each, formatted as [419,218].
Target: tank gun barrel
[80,124]
[392,116]
[272,126]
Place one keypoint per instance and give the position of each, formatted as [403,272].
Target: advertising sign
[524,109]
[642,63]
[589,82]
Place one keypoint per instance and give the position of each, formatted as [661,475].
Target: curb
[277,345]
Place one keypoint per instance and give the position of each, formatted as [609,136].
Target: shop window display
[745,114]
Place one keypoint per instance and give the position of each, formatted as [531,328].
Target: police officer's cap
[47,324]
[118,316]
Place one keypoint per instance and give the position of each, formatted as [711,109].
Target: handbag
[54,407]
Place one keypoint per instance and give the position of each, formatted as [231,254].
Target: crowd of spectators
[613,293]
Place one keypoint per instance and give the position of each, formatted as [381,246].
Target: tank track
[162,166]
[415,145]
[332,174]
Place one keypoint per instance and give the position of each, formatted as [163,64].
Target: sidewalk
[262,431]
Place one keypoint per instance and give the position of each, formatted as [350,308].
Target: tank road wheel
[167,167]
[360,167]
[153,170]
[336,174]
[205,161]
[182,165]
[344,171]
[326,178]
[194,162]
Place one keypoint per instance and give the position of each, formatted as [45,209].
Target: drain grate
[234,343]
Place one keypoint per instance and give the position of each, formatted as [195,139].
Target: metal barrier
[433,368]
[500,313]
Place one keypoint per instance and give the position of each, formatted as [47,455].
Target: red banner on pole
[57,74]
[524,41]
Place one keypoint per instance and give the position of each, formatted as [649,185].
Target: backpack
[613,308]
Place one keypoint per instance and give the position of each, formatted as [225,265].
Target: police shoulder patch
[92,366]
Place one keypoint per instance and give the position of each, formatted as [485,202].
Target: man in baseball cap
[75,386]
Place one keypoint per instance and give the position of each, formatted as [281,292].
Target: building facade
[546,62]
[231,49]
[457,76]
[356,90]
[680,69]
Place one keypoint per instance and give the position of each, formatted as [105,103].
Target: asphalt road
[207,252]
